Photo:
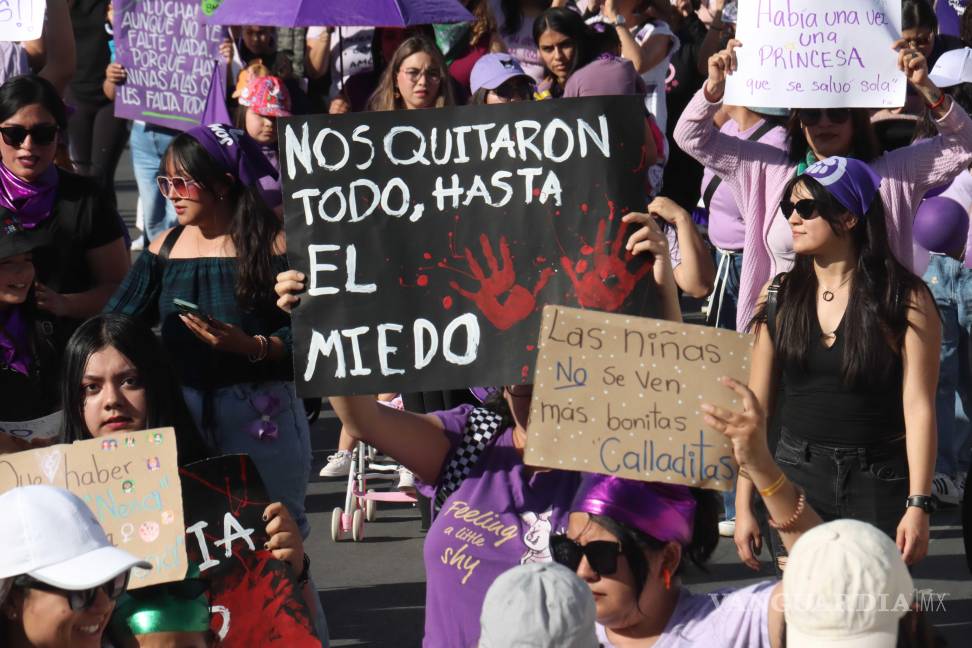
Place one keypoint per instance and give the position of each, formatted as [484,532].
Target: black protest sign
[431,239]
[258,600]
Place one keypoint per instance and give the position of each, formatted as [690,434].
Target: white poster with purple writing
[21,20]
[168,53]
[817,54]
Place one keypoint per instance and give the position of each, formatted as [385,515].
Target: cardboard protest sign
[40,431]
[22,20]
[817,54]
[131,483]
[431,238]
[256,599]
[168,53]
[620,396]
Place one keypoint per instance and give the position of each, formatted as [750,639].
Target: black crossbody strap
[481,426]
[169,242]
[772,304]
[714,183]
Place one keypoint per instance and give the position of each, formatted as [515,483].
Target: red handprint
[604,282]
[520,302]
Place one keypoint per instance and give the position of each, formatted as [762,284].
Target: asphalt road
[373,592]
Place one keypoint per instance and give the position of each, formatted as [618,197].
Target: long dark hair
[570,24]
[134,340]
[26,90]
[864,141]
[253,229]
[879,300]
[635,543]
[513,15]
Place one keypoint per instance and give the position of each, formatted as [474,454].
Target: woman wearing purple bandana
[230,345]
[630,540]
[849,339]
[28,368]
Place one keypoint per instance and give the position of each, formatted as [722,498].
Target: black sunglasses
[79,599]
[602,555]
[812,116]
[807,208]
[42,134]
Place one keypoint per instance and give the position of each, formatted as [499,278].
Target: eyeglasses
[180,184]
[512,90]
[431,75]
[42,134]
[79,599]
[812,116]
[807,208]
[602,555]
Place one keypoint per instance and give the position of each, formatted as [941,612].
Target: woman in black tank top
[851,355]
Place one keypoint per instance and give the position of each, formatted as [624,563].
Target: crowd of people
[838,237]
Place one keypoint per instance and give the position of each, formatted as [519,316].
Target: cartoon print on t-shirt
[537,537]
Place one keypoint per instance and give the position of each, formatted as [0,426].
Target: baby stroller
[360,501]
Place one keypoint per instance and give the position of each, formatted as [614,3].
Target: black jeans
[867,484]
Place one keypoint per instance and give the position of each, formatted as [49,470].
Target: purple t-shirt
[726,227]
[499,518]
[722,619]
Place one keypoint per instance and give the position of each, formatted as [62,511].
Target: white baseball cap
[538,604]
[952,68]
[845,586]
[51,535]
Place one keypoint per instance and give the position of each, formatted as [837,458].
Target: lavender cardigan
[756,174]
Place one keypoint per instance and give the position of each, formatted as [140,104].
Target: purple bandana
[30,201]
[13,333]
[850,181]
[237,153]
[663,511]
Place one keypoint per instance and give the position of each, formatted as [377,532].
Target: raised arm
[417,441]
[730,157]
[935,161]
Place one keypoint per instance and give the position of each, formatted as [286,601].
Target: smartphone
[188,308]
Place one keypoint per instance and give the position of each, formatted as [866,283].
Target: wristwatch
[619,21]
[926,503]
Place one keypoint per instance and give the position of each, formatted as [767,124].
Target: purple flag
[215,111]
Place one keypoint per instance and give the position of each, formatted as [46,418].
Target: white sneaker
[961,479]
[945,490]
[406,480]
[338,464]
[727,528]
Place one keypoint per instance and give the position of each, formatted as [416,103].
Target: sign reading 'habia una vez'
[431,239]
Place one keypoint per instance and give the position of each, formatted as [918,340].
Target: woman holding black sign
[230,346]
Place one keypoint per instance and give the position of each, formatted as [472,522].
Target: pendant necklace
[828,295]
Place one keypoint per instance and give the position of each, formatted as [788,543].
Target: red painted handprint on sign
[603,281]
[520,302]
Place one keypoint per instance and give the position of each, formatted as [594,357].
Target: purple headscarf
[236,152]
[852,182]
[32,202]
[663,511]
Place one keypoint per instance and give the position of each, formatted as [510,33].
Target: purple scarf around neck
[13,341]
[30,201]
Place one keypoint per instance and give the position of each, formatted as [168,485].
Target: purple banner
[168,52]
